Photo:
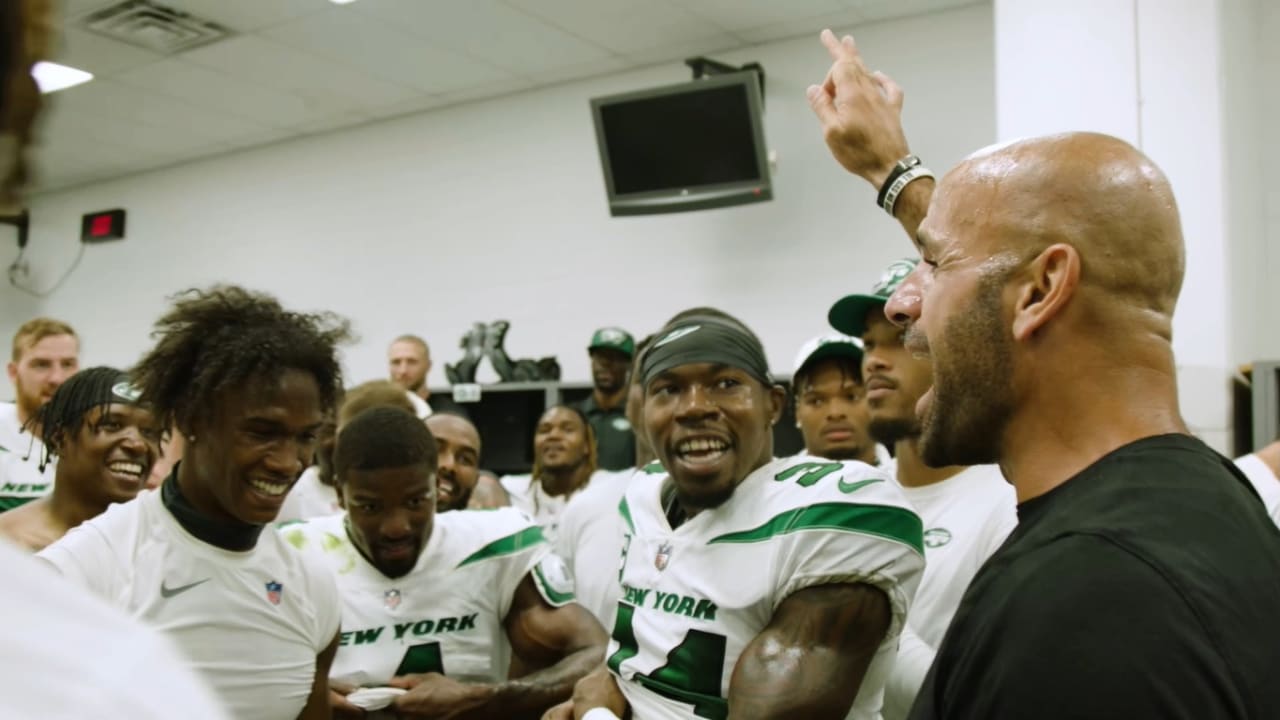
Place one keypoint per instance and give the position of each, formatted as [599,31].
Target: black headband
[705,340]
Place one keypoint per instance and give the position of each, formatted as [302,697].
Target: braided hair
[63,416]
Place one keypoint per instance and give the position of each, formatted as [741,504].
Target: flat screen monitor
[691,146]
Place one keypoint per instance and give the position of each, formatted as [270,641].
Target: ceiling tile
[676,54]
[323,84]
[98,55]
[384,51]
[875,10]
[803,26]
[487,30]
[109,99]
[218,91]
[623,27]
[734,15]
[247,15]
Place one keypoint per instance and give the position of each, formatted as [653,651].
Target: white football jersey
[529,498]
[309,498]
[446,615]
[693,598]
[114,667]
[590,537]
[1264,481]
[252,623]
[966,518]
[20,453]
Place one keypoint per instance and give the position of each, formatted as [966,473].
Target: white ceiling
[297,67]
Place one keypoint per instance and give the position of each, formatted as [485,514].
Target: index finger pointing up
[842,50]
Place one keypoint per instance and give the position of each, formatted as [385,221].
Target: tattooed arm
[810,660]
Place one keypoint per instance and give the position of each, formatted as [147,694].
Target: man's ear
[777,403]
[1048,283]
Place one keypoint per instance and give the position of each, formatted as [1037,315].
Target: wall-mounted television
[691,146]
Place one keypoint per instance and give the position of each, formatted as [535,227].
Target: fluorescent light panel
[52,77]
[341,2]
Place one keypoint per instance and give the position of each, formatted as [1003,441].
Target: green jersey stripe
[9,502]
[625,510]
[553,596]
[892,523]
[526,538]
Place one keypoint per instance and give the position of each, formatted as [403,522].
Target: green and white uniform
[20,478]
[446,615]
[694,597]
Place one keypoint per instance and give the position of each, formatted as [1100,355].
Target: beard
[889,430]
[972,398]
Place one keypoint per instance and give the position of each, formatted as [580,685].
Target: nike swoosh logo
[166,592]
[848,487]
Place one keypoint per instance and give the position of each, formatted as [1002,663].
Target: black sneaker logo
[166,592]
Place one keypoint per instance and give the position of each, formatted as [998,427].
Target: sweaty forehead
[966,214]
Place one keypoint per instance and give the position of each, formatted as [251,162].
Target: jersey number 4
[424,658]
[692,673]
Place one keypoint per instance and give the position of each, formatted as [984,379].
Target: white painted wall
[1184,80]
[497,210]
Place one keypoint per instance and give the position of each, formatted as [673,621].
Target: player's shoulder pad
[320,533]
[487,534]
[804,480]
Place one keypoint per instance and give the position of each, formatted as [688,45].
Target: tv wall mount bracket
[703,67]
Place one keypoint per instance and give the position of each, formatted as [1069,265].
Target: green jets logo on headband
[677,334]
[893,277]
[126,391]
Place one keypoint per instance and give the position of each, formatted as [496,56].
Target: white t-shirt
[309,498]
[590,541]
[966,518]
[67,654]
[694,597]
[529,498]
[1264,481]
[447,614]
[20,478]
[252,623]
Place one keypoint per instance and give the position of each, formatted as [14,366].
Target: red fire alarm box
[102,226]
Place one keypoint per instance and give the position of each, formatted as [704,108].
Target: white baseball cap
[828,346]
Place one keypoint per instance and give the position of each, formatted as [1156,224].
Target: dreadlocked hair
[588,431]
[383,437]
[223,337]
[63,415]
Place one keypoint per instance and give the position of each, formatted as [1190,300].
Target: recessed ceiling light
[52,77]
[341,2]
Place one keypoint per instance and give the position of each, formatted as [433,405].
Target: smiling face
[255,446]
[109,459]
[711,425]
[560,439]
[458,460]
[390,514]
[952,308]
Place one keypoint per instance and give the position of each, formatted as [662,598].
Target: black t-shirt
[615,442]
[1147,586]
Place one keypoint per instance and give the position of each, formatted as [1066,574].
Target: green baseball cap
[612,338]
[849,314]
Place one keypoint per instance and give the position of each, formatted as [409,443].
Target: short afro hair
[371,394]
[225,336]
[383,437]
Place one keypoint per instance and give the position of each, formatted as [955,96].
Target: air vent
[154,27]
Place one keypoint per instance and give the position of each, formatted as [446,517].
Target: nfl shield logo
[274,591]
[664,555]
[391,599]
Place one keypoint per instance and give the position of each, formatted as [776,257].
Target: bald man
[1143,579]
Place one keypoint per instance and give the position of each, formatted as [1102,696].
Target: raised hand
[860,112]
